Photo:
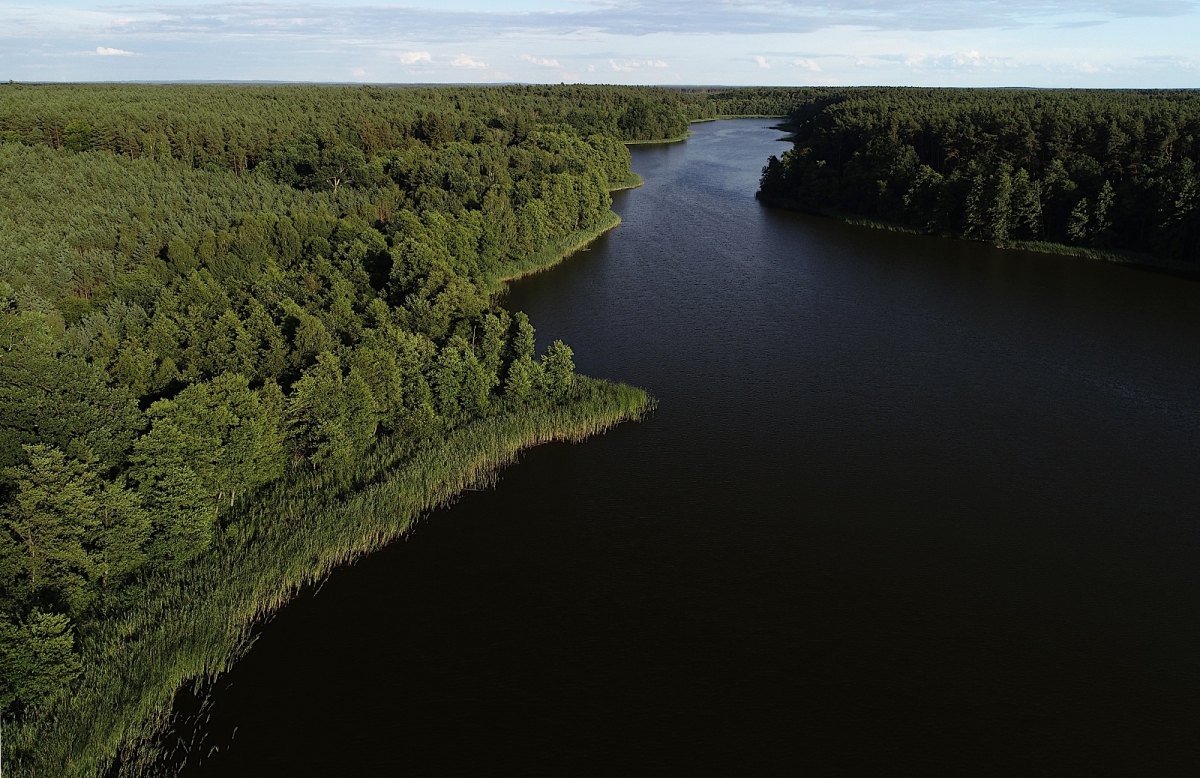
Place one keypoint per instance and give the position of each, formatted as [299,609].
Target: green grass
[676,139]
[195,624]
[632,181]
[562,248]
[1104,255]
[552,254]
[684,136]
[720,117]
[1041,247]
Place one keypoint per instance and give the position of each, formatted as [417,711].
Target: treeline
[771,101]
[205,290]
[224,128]
[1103,170]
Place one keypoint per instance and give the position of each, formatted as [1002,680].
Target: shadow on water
[906,503]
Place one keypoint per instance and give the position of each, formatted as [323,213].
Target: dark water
[907,505]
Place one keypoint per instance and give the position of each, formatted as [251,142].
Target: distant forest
[220,308]
[1107,171]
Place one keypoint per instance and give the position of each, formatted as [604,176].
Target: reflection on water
[906,502]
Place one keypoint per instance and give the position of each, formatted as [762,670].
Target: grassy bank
[721,117]
[632,181]
[565,246]
[195,624]
[663,141]
[553,253]
[1041,247]
[684,136]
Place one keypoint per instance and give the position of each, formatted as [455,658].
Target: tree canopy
[1107,170]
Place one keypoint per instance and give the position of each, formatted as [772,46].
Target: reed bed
[558,250]
[1041,247]
[676,139]
[632,181]
[194,624]
[552,254]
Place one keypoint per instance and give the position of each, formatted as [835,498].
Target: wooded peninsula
[250,333]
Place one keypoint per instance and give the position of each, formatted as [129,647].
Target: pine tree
[559,369]
[448,379]
[182,512]
[1027,205]
[1000,215]
[1078,227]
[37,660]
[44,529]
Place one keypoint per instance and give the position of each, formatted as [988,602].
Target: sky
[1084,43]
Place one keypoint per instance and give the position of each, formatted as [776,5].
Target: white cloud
[591,68]
[1170,62]
[955,42]
[964,60]
[358,72]
[656,63]
[413,57]
[545,63]
[463,61]
[971,58]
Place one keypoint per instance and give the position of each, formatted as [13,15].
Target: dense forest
[232,317]
[1103,171]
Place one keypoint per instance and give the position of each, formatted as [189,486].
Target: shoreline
[632,181]
[554,254]
[660,142]
[686,134]
[292,536]
[1141,261]
[565,247]
[266,557]
[724,116]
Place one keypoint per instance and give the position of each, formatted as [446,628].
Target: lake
[907,504]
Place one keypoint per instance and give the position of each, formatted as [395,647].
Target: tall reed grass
[1041,247]
[552,254]
[676,139]
[632,181]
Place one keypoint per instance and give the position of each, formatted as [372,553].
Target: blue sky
[1087,43]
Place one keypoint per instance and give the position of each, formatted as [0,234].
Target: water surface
[907,504]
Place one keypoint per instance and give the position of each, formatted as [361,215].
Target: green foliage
[182,512]
[558,369]
[67,535]
[37,660]
[231,436]
[212,297]
[1105,170]
[77,136]
[196,620]
[49,395]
